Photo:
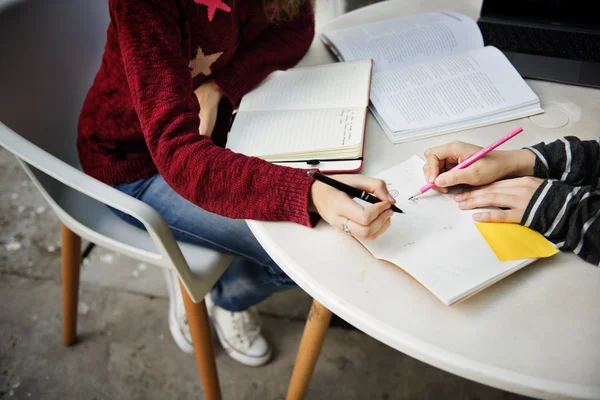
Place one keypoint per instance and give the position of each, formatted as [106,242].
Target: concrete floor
[125,349]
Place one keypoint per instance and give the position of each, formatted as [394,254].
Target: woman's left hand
[512,194]
[209,96]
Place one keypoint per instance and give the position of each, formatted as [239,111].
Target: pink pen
[473,158]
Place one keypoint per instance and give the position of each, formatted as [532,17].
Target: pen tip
[415,195]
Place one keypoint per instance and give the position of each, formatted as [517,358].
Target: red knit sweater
[140,116]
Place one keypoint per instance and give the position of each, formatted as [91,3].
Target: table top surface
[536,332]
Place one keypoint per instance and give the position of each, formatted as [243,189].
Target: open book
[432,75]
[313,117]
[435,242]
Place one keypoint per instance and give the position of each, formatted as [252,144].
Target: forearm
[568,159]
[569,216]
[211,177]
[231,184]
[519,163]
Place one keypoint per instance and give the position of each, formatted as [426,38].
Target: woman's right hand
[209,95]
[337,208]
[493,166]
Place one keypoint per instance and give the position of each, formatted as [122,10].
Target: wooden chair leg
[203,348]
[71,262]
[313,336]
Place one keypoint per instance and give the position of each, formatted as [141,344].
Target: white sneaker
[238,332]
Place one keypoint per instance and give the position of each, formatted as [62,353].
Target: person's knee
[278,276]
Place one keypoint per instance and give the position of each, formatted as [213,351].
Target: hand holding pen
[331,197]
[463,156]
[349,190]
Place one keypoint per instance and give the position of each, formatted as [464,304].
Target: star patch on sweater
[202,62]
[212,6]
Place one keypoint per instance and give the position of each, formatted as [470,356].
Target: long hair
[284,9]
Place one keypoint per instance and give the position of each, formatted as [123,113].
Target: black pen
[349,190]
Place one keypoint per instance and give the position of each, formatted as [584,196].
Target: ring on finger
[345,226]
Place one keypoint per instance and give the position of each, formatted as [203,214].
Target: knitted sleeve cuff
[568,159]
[540,168]
[231,87]
[291,187]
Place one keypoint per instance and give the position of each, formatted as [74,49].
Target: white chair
[51,50]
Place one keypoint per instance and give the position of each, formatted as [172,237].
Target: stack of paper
[432,75]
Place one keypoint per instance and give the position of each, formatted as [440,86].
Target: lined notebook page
[327,86]
[264,133]
[435,242]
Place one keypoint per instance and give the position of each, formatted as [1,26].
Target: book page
[449,90]
[326,86]
[408,135]
[434,241]
[400,42]
[280,135]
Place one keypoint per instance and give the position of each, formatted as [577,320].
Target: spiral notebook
[312,117]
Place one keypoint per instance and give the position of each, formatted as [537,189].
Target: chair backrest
[51,51]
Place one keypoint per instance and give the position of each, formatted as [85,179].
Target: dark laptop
[556,40]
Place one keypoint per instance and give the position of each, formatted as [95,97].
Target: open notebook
[433,75]
[311,117]
[435,242]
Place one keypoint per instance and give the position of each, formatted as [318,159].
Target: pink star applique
[202,62]
[212,6]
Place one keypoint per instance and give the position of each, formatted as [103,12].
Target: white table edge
[483,373]
[423,351]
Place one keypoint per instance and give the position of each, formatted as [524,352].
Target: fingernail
[391,198]
[440,181]
[458,197]
[390,213]
[477,216]
[462,204]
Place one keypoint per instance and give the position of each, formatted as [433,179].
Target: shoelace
[246,323]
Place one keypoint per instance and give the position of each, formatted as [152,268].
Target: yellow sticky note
[515,242]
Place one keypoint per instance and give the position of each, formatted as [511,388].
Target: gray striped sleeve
[569,159]
[569,216]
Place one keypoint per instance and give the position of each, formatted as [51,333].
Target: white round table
[536,332]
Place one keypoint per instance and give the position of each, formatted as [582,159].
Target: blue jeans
[252,276]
